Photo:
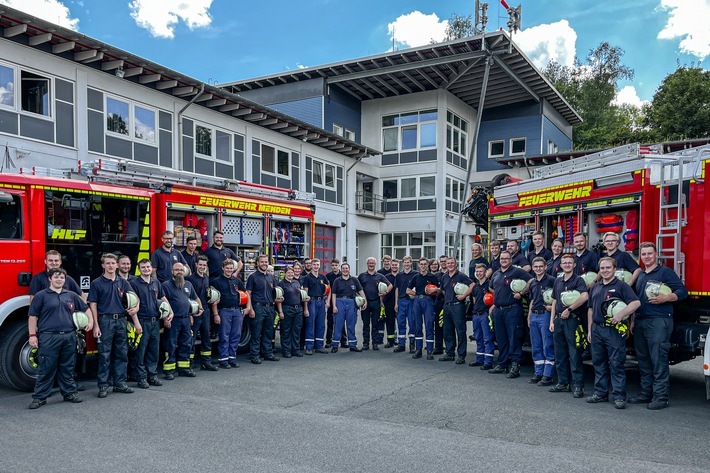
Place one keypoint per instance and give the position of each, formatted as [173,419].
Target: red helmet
[243,298]
[431,289]
[327,290]
[488,299]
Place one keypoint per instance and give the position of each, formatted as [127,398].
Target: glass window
[400,253]
[415,238]
[428,115]
[223,146]
[317,173]
[350,135]
[283,163]
[427,186]
[399,239]
[495,148]
[430,252]
[463,143]
[428,132]
[409,188]
[267,159]
[448,187]
[407,118]
[430,237]
[35,94]
[337,129]
[144,128]
[329,175]
[386,239]
[456,142]
[389,139]
[388,120]
[117,116]
[389,189]
[10,217]
[464,125]
[7,86]
[517,146]
[409,137]
[203,140]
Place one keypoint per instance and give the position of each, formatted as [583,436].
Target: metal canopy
[70,45]
[456,66]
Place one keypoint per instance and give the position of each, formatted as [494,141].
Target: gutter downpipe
[347,209]
[179,117]
[474,142]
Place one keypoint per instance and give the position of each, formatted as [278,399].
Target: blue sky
[227,40]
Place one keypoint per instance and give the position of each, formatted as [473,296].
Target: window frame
[324,169]
[404,120]
[490,151]
[349,135]
[213,149]
[456,127]
[13,70]
[417,192]
[51,92]
[525,146]
[338,129]
[277,150]
[131,125]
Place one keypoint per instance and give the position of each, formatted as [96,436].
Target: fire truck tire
[17,367]
[246,337]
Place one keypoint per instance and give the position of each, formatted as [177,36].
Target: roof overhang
[50,38]
[457,66]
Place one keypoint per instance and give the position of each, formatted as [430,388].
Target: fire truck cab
[640,194]
[112,206]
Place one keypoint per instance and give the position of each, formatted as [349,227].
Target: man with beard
[179,292]
[513,247]
[260,288]
[585,260]
[218,253]
[40,281]
[165,257]
[201,323]
[228,314]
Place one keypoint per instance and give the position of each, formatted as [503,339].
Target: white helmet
[381,287]
[623,275]
[194,307]
[460,288]
[569,297]
[589,277]
[517,285]
[213,295]
[130,300]
[278,292]
[547,296]
[304,294]
[187,269]
[655,289]
[164,309]
[359,301]
[614,307]
[81,320]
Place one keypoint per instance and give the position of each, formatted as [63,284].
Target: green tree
[681,106]
[457,27]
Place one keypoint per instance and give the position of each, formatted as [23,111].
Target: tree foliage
[459,27]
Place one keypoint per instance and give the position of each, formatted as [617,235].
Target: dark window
[35,94]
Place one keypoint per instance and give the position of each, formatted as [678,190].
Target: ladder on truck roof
[686,165]
[603,158]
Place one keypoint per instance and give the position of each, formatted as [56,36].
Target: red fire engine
[112,206]
[639,193]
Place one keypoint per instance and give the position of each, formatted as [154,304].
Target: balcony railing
[371,205]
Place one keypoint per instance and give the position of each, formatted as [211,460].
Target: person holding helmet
[331,277]
[106,302]
[507,310]
[260,307]
[585,260]
[228,314]
[201,323]
[455,312]
[150,293]
[438,268]
[370,313]
[345,289]
[652,327]
[543,350]
[607,333]
[291,311]
[316,284]
[388,301]
[482,331]
[624,261]
[180,293]
[565,319]
[52,332]
[403,305]
[423,310]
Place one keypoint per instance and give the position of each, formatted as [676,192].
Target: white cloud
[50,10]
[416,29]
[688,20]
[547,42]
[628,96]
[160,16]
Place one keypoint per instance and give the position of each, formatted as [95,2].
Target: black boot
[514,371]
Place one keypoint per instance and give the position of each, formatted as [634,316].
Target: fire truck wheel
[246,336]
[18,365]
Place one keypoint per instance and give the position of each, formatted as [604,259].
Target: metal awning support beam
[461,72]
[515,77]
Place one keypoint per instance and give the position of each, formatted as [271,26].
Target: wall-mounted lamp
[120,73]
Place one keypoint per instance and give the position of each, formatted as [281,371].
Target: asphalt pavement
[357,412]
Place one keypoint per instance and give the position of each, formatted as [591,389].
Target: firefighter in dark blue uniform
[438,268]
[260,288]
[370,313]
[344,290]
[495,249]
[508,315]
[228,314]
[607,335]
[218,253]
[652,328]
[201,323]
[543,348]
[554,266]
[179,292]
[517,258]
[455,313]
[564,323]
[403,306]
[423,308]
[52,332]
[538,250]
[316,284]
[388,302]
[331,277]
[291,311]
[476,259]
[190,253]
[106,303]
[150,293]
[623,260]
[384,321]
[485,345]
[165,257]
[585,260]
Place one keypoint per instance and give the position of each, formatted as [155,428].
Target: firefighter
[179,292]
[382,319]
[106,303]
[403,305]
[565,321]
[124,271]
[554,268]
[423,308]
[586,260]
[455,312]
[165,257]
[150,293]
[370,313]
[438,267]
[543,350]
[386,265]
[607,334]
[481,325]
[260,307]
[652,327]
[345,289]
[291,311]
[538,250]
[190,253]
[228,314]
[388,301]
[623,260]
[315,283]
[507,310]
[201,323]
[52,333]
[124,267]
[476,259]
[513,247]
[495,250]
[331,277]
[217,253]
